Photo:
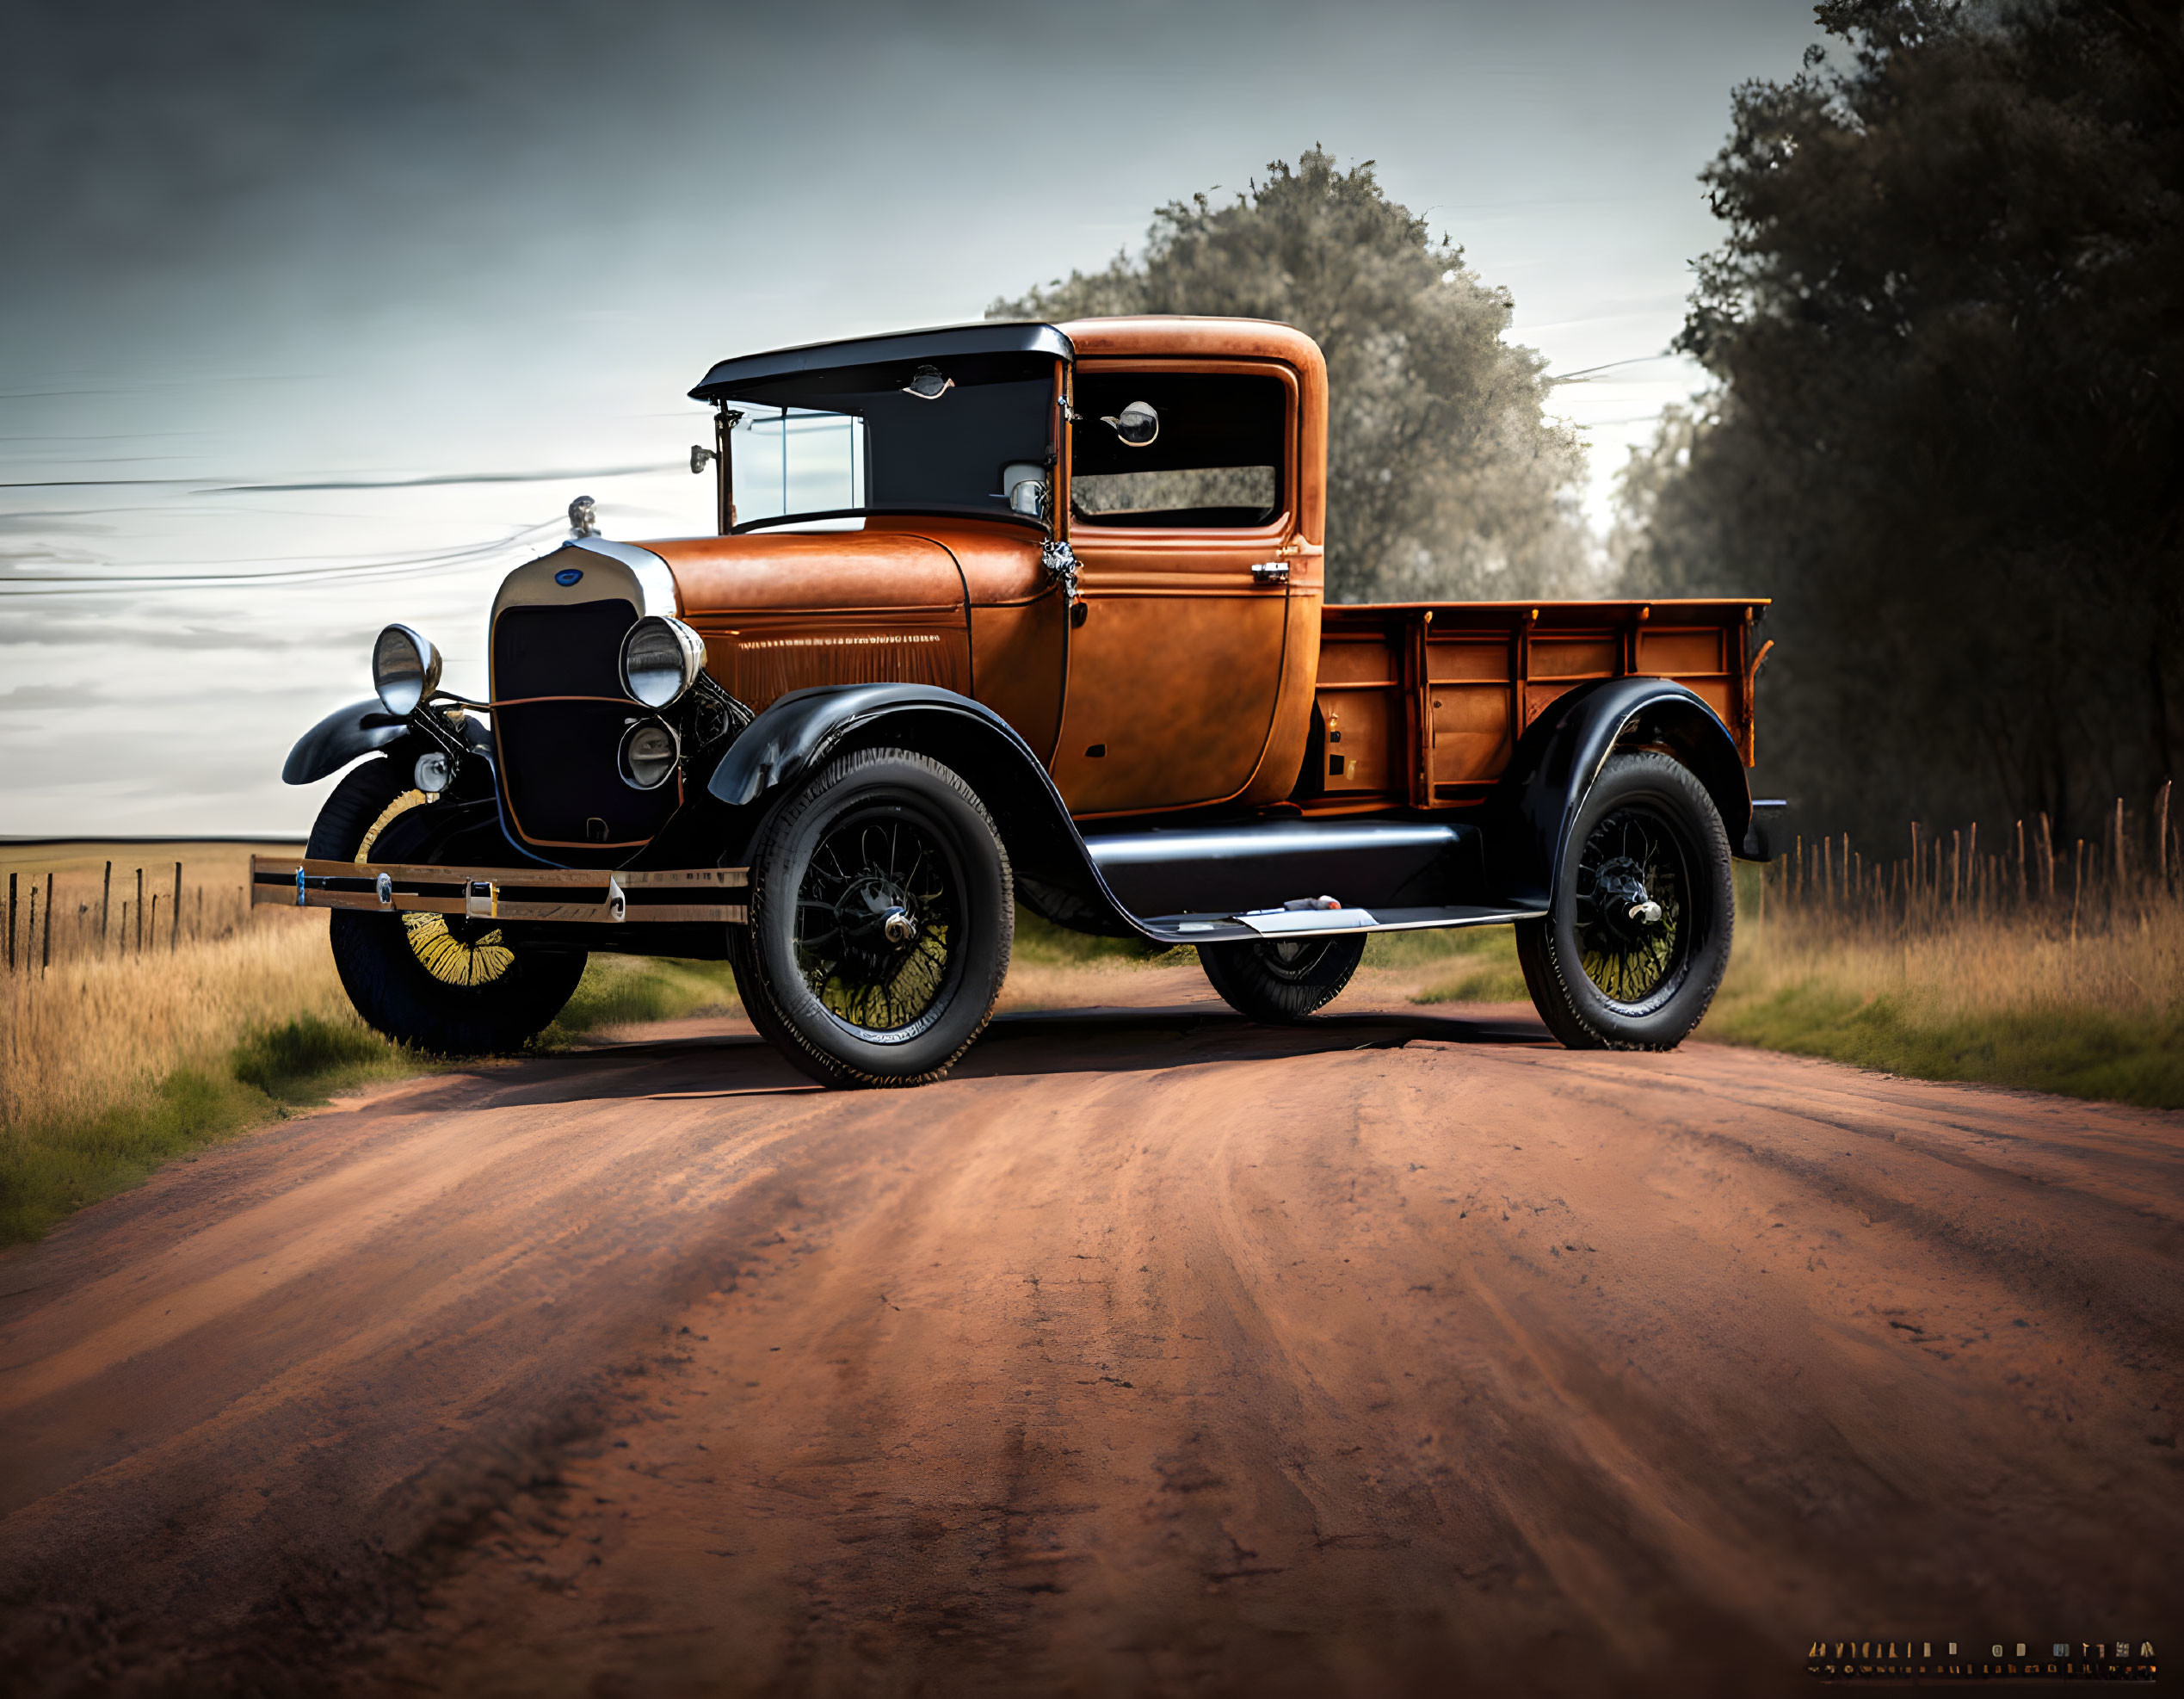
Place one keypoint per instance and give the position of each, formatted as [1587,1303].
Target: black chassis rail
[605,897]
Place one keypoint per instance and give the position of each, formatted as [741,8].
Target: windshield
[946,435]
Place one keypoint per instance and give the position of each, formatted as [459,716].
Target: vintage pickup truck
[1058,637]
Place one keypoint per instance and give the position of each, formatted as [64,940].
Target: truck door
[1182,475]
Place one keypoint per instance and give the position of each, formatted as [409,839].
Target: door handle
[1270,572]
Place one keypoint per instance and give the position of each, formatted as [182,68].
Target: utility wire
[211,486]
[100,583]
[1588,371]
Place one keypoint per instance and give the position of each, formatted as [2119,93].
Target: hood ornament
[584,517]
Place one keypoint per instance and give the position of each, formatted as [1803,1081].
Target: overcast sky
[344,248]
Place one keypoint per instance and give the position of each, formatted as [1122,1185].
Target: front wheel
[1637,935]
[882,909]
[1281,980]
[443,983]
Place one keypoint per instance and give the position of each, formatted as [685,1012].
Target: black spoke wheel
[446,984]
[1636,936]
[882,909]
[1281,980]
[879,920]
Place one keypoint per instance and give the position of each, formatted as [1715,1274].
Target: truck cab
[1050,600]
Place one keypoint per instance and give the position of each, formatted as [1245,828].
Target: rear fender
[1562,753]
[800,732]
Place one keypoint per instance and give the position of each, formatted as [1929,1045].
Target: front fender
[358,729]
[800,730]
[339,738]
[1562,753]
[797,734]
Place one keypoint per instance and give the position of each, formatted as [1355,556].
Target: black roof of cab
[738,378]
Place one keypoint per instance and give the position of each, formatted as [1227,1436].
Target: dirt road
[1152,1352]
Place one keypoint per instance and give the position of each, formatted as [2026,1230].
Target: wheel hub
[878,918]
[1625,908]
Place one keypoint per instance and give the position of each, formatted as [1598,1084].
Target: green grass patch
[1041,943]
[51,1168]
[2078,1051]
[307,1060]
[620,991]
[1479,962]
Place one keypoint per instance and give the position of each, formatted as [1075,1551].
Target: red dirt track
[1152,1352]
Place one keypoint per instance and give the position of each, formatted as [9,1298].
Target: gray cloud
[260,251]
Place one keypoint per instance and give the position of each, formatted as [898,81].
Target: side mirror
[1026,484]
[1136,425]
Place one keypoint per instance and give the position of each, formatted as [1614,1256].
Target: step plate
[1206,928]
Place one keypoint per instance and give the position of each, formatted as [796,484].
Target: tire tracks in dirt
[1149,1352]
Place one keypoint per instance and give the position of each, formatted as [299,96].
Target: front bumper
[602,896]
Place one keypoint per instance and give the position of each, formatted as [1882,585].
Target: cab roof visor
[783,375]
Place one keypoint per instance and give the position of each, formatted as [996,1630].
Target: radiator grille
[558,715]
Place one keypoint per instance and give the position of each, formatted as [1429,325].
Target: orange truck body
[1183,679]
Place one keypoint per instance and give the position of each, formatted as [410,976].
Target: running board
[601,896]
[1309,923]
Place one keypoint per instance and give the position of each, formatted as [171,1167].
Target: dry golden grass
[2083,997]
[94,1033]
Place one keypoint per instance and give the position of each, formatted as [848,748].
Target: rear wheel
[882,909]
[1280,981]
[1636,936]
[443,983]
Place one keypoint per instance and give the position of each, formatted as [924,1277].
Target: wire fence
[57,918]
[1946,878]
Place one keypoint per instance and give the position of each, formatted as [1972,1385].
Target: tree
[1947,328]
[1444,478]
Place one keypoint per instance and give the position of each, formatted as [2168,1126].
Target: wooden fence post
[11,922]
[139,910]
[2161,833]
[48,959]
[106,902]
[30,931]
[174,930]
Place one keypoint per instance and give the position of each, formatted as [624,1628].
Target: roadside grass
[1041,943]
[2019,1000]
[114,1066]
[622,990]
[1471,964]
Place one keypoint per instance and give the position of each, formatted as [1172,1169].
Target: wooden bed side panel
[1421,705]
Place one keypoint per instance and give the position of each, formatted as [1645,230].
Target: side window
[1178,448]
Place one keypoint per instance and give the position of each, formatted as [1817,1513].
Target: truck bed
[1420,704]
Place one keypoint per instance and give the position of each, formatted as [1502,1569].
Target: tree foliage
[1445,478]
[1947,329]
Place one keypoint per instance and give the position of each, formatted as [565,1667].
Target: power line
[106,583]
[1588,371]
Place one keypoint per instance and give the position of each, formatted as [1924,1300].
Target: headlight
[405,669]
[648,754]
[661,659]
